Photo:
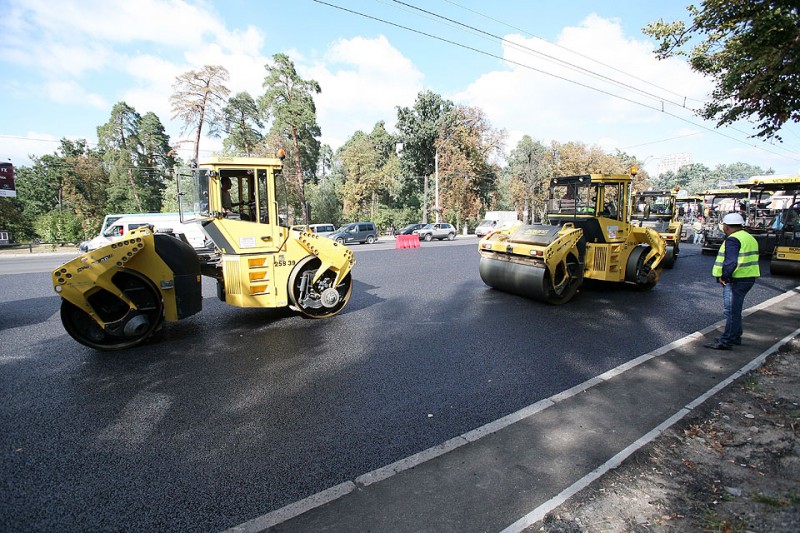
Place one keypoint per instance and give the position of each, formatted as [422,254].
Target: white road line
[321,498]
[540,512]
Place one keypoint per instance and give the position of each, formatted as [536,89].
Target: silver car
[440,230]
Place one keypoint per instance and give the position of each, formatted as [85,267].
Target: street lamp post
[436,184]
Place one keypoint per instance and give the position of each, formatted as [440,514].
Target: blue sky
[564,71]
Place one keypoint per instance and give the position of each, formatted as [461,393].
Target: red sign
[7,187]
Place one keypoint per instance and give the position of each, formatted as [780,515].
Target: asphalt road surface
[233,413]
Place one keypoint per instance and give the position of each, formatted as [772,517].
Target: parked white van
[161,222]
[322,229]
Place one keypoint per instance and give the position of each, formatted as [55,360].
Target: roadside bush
[59,227]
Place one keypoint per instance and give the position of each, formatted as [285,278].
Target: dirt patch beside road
[732,465]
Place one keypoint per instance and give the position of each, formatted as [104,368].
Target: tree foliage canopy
[198,99]
[289,102]
[751,49]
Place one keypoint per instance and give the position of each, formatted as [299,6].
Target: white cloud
[69,92]
[362,81]
[533,95]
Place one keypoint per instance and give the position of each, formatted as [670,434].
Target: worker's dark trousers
[733,301]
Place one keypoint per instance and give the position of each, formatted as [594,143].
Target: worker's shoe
[717,346]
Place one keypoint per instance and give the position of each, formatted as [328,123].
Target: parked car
[326,230]
[408,230]
[486,227]
[440,230]
[361,232]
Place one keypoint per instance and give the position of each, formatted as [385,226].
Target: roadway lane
[233,413]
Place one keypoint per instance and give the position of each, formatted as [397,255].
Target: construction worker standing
[736,269]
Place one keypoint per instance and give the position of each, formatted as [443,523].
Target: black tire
[638,272]
[428,237]
[451,236]
[340,240]
[669,258]
[371,239]
[125,327]
[307,267]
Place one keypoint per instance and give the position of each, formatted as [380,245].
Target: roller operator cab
[773,219]
[718,203]
[116,296]
[589,236]
[657,210]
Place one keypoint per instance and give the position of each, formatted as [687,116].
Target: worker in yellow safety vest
[736,269]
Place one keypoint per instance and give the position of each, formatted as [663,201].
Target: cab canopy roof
[248,162]
[725,193]
[586,179]
[657,193]
[768,183]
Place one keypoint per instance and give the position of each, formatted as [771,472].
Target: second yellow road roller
[588,236]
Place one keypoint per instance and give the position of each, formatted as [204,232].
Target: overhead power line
[793,155]
[589,58]
[551,58]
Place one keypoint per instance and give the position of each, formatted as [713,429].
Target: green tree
[530,168]
[737,172]
[289,101]
[466,145]
[118,140]
[575,158]
[198,99]
[325,204]
[749,48]
[325,165]
[419,129]
[84,187]
[156,158]
[360,167]
[71,180]
[15,220]
[242,122]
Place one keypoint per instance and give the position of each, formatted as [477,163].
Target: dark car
[361,232]
[408,230]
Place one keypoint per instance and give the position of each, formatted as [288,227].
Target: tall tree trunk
[197,142]
[134,191]
[301,190]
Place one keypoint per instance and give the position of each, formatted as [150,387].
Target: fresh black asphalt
[234,413]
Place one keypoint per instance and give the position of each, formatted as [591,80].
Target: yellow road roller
[589,236]
[657,210]
[116,296]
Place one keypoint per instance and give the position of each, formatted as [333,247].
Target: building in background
[672,162]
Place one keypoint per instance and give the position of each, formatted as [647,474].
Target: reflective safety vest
[747,262]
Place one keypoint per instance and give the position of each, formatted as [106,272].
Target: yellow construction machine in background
[115,297]
[589,236]
[657,210]
[718,203]
[773,219]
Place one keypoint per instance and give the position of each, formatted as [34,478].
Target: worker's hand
[722,281]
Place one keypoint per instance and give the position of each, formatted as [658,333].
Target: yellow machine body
[589,236]
[718,203]
[658,211]
[773,219]
[118,295]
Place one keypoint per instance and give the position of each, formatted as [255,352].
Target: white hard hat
[733,219]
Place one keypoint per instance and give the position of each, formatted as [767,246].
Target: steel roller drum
[525,280]
[781,267]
